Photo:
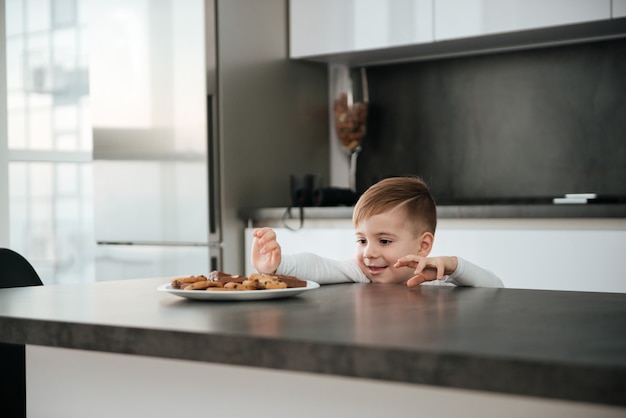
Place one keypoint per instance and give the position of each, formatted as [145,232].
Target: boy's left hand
[427,268]
[266,252]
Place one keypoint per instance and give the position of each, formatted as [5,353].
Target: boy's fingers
[416,280]
[421,265]
[407,260]
[264,232]
[401,263]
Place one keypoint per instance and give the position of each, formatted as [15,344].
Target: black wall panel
[531,123]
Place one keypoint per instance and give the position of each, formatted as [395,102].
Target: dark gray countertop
[614,210]
[551,344]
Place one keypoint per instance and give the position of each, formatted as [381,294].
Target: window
[49,137]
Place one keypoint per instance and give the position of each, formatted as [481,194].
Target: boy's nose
[370,252]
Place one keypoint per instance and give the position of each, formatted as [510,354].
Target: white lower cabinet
[577,254]
[563,254]
[338,243]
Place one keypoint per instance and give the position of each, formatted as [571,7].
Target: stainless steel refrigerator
[155,168]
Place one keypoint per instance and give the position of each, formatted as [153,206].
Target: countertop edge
[587,382]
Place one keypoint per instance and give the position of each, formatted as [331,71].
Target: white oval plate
[238,294]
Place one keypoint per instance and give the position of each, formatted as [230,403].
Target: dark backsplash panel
[531,123]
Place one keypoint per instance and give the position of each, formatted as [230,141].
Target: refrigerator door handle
[215,233]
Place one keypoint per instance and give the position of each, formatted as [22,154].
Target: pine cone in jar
[350,121]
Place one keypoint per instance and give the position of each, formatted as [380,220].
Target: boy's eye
[385,241]
[361,241]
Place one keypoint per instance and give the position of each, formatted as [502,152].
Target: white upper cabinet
[468,18]
[321,27]
[619,8]
[366,32]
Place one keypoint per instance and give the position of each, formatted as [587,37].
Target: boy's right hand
[266,254]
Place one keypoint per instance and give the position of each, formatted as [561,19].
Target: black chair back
[16,271]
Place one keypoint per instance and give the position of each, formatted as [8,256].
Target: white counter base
[73,383]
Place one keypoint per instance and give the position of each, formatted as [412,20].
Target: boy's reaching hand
[427,268]
[266,253]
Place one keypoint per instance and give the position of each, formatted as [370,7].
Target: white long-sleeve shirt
[309,266]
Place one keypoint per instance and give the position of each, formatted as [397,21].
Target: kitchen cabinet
[319,27]
[462,19]
[558,254]
[618,8]
[572,255]
[362,33]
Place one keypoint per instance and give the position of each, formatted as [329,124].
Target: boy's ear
[426,242]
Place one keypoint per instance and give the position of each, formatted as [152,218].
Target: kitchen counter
[476,211]
[546,344]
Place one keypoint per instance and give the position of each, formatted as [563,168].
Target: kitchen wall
[272,115]
[535,123]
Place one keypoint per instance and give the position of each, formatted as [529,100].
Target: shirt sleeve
[468,274]
[309,266]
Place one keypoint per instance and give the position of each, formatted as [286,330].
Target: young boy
[394,222]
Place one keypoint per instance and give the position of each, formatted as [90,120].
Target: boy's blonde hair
[387,194]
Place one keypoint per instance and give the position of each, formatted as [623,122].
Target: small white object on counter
[574,198]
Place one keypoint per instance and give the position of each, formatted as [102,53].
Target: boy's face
[384,238]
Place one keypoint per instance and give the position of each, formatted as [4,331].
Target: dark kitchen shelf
[461,211]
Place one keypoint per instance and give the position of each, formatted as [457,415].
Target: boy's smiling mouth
[376,269]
